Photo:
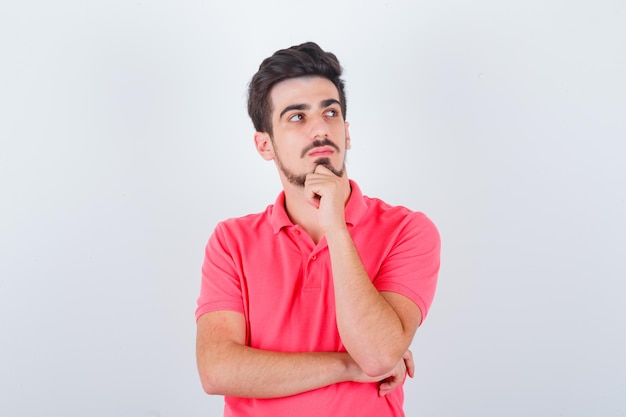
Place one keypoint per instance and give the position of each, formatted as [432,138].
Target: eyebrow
[324,103]
[294,107]
[330,102]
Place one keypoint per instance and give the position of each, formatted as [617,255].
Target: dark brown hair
[307,59]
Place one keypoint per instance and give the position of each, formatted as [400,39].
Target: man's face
[308,128]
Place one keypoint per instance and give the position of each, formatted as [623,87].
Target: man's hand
[405,366]
[328,194]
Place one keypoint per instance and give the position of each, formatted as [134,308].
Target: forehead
[302,90]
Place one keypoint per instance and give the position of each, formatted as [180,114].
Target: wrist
[350,371]
[337,231]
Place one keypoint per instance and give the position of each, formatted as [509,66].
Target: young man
[309,308]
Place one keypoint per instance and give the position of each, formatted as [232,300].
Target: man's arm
[228,367]
[375,327]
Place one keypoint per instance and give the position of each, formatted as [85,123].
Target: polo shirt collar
[355,209]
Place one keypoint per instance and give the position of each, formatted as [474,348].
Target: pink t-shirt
[268,269]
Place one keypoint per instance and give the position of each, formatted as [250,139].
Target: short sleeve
[220,287]
[412,266]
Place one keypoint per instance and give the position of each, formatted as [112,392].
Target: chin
[325,162]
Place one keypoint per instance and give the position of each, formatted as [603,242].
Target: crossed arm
[228,367]
[375,327]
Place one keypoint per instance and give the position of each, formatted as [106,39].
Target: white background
[125,139]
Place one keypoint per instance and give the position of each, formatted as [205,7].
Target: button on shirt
[270,270]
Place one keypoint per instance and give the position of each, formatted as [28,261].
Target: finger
[312,193]
[382,391]
[409,363]
[384,388]
[313,199]
[388,385]
[321,169]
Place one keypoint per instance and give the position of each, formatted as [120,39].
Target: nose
[319,129]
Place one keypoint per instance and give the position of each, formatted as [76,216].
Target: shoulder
[400,221]
[234,236]
[384,211]
[249,224]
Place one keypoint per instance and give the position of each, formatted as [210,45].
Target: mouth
[319,148]
[321,151]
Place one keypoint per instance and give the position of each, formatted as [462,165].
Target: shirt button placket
[313,278]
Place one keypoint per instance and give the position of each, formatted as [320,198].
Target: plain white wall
[124,139]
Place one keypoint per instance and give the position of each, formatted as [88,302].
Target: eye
[331,113]
[296,117]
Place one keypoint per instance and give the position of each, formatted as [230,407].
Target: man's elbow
[375,367]
[208,385]
[211,382]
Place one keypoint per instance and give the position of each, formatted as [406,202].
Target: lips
[322,147]
[321,151]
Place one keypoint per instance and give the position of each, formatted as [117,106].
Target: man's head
[307,59]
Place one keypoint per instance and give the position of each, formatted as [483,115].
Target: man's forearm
[237,370]
[370,328]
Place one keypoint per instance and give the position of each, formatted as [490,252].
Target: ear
[348,146]
[263,145]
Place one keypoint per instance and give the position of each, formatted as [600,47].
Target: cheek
[287,149]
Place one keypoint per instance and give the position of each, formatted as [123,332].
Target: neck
[301,212]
